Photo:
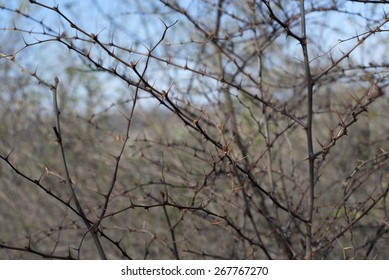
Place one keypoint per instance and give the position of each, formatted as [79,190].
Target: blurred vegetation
[176,193]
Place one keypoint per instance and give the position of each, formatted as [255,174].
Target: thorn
[196,121]
[341,122]
[356,99]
